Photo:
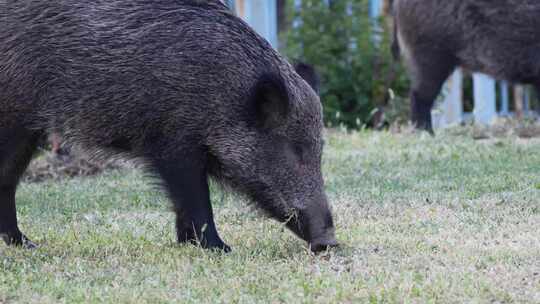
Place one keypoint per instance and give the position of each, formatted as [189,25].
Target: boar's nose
[323,234]
[324,242]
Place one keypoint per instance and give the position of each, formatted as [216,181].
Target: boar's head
[272,152]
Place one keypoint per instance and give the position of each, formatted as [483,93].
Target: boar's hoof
[214,246]
[219,247]
[420,131]
[424,127]
[206,243]
[19,240]
[27,244]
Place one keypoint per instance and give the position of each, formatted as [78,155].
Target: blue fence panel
[375,8]
[230,3]
[262,16]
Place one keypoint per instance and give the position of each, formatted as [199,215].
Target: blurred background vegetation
[361,83]
[351,52]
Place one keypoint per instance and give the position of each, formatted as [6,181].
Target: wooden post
[505,99]
[485,110]
[453,101]
[239,7]
[518,101]
[387,7]
[526,101]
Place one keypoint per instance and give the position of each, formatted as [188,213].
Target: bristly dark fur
[499,38]
[184,86]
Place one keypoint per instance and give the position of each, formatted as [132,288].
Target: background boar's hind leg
[187,183]
[16,149]
[426,86]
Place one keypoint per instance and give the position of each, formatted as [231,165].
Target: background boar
[499,38]
[183,85]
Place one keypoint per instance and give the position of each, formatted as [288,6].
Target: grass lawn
[420,219]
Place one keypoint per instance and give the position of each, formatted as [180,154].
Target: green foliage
[351,52]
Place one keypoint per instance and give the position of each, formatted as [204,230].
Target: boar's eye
[298,150]
[304,151]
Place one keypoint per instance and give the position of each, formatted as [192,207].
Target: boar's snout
[316,226]
[324,240]
[323,243]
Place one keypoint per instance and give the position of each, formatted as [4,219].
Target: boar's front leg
[187,184]
[16,149]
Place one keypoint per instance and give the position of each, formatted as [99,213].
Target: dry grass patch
[444,220]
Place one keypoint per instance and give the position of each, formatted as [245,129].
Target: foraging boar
[183,85]
[499,38]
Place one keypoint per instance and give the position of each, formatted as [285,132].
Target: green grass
[420,219]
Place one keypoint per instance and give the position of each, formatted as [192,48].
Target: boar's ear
[271,101]
[309,74]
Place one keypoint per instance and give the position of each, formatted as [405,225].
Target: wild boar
[184,86]
[499,38]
